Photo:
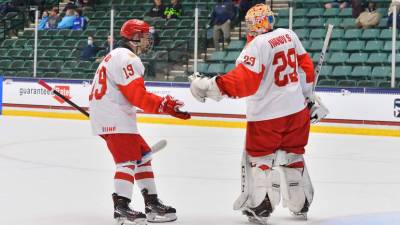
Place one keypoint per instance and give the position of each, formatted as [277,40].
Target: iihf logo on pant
[397,107]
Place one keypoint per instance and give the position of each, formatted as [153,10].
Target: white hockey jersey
[110,110]
[267,73]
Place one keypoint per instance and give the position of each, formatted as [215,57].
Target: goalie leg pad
[263,181]
[296,198]
[297,182]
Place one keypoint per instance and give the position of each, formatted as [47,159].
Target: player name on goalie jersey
[283,39]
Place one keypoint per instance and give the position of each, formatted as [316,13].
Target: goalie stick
[243,197]
[154,148]
[322,56]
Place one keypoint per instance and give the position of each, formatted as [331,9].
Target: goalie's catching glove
[317,109]
[203,87]
[172,107]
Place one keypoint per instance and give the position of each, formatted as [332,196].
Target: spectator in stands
[39,3]
[369,18]
[80,21]
[395,3]
[44,21]
[107,45]
[67,21]
[244,6]
[89,52]
[221,17]
[358,7]
[174,10]
[53,20]
[8,7]
[70,5]
[85,3]
[337,4]
[154,36]
[157,10]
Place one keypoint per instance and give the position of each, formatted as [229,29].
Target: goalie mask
[259,19]
[138,34]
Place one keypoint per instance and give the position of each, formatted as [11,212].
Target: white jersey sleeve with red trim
[117,88]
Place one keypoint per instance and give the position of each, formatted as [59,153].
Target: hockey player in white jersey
[117,89]
[276,75]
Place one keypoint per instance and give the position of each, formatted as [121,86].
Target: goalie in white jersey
[276,75]
[118,88]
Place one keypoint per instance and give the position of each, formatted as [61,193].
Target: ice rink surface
[54,172]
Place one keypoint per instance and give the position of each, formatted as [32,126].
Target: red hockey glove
[171,106]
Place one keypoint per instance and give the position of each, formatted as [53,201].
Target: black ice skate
[124,215]
[156,211]
[303,211]
[261,213]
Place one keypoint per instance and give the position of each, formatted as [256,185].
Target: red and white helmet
[259,19]
[134,29]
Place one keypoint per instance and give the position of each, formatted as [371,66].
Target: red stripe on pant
[146,164]
[144,175]
[124,176]
[296,165]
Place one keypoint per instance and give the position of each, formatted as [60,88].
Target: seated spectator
[244,6]
[394,4]
[43,21]
[174,10]
[70,5]
[85,3]
[154,36]
[107,45]
[53,20]
[89,52]
[39,3]
[68,20]
[157,10]
[107,48]
[357,7]
[221,17]
[369,18]
[8,7]
[79,21]
[337,4]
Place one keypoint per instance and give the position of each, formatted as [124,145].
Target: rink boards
[352,110]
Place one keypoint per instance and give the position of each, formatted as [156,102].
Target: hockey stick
[322,56]
[154,148]
[49,88]
[244,195]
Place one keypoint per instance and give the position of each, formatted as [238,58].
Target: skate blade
[257,221]
[154,218]
[124,221]
[253,218]
[300,215]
